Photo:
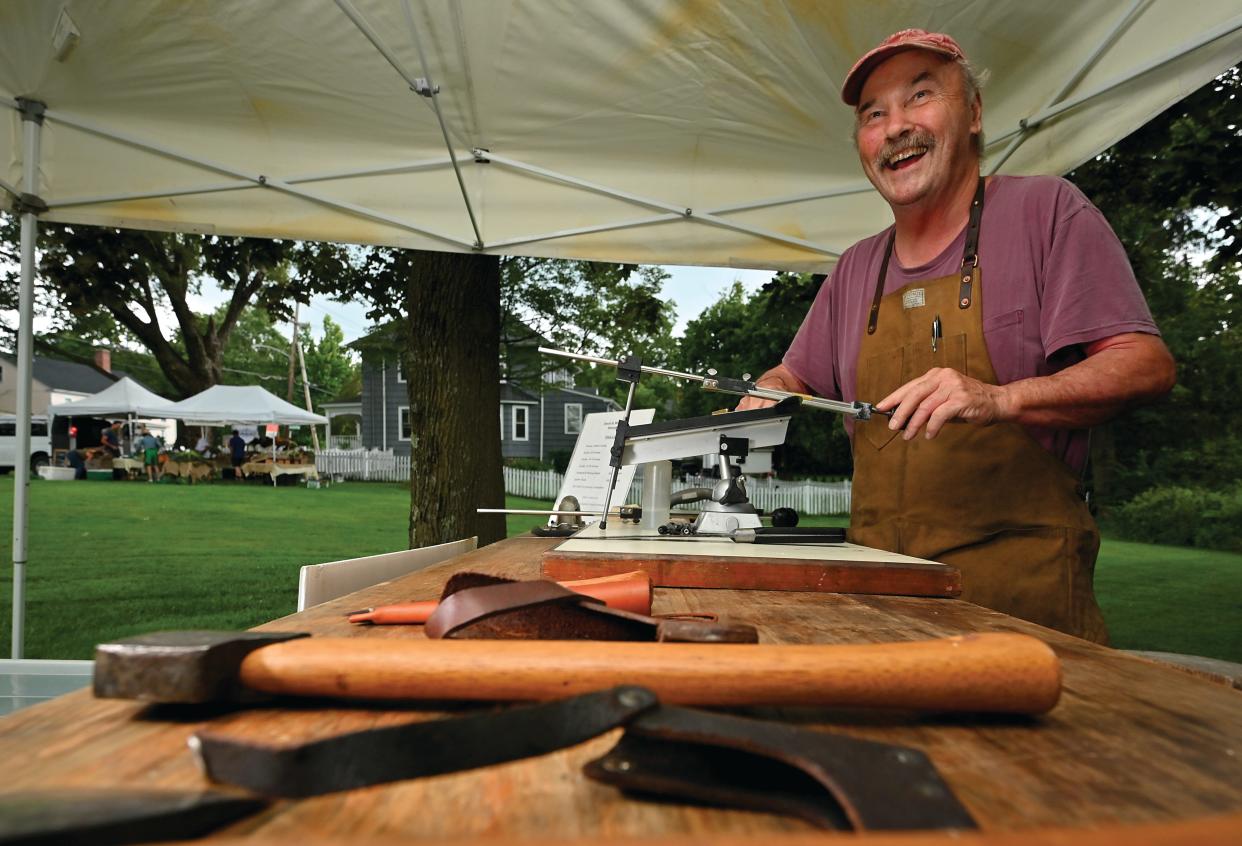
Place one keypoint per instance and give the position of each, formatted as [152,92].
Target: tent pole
[244,185]
[257,180]
[29,205]
[1049,112]
[1122,24]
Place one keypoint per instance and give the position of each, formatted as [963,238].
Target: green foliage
[330,366]
[559,459]
[1182,516]
[1171,192]
[740,334]
[611,310]
[120,286]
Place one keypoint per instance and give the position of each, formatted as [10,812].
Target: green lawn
[112,559]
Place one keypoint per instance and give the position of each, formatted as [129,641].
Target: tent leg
[32,124]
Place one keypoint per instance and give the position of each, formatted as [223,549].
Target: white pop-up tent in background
[653,131]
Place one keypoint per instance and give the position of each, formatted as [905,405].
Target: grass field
[113,559]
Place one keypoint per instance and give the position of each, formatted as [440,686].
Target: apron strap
[970,255]
[970,260]
[874,316]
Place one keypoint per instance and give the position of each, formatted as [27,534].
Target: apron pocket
[918,358]
[878,376]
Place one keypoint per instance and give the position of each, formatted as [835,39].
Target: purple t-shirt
[1054,278]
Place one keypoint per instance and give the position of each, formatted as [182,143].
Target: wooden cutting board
[699,563]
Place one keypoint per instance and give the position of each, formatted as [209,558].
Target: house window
[519,423]
[573,418]
[502,422]
[403,423]
[400,372]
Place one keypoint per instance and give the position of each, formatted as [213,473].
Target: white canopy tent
[124,397]
[221,405]
[656,131]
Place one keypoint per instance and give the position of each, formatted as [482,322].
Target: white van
[40,443]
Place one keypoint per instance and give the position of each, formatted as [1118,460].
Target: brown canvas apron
[988,500]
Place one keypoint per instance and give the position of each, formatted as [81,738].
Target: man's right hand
[780,378]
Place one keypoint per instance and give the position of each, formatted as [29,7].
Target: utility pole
[307,396]
[293,350]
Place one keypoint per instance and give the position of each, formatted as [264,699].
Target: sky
[691,288]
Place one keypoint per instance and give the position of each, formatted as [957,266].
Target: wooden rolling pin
[626,591]
[1006,673]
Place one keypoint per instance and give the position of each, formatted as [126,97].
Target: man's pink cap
[907,39]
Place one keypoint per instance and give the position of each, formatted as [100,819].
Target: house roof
[510,392]
[58,374]
[589,395]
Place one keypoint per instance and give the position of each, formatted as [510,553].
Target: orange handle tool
[996,672]
[626,591]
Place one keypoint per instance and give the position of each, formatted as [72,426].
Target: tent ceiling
[669,131]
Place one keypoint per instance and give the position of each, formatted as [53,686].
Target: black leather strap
[970,255]
[970,261]
[874,317]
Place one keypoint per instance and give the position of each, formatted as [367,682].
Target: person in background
[77,462]
[150,454]
[237,453]
[110,440]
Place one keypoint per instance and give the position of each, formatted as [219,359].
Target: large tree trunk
[451,363]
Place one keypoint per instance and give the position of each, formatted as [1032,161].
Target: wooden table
[276,469]
[1131,742]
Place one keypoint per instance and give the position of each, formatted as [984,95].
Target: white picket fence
[367,465]
[383,466]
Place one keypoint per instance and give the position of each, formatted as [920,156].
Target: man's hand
[1119,372]
[780,378]
[940,395]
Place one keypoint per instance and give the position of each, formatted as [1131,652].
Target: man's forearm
[779,377]
[1118,373]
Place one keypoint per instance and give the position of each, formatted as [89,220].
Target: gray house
[534,423]
[540,425]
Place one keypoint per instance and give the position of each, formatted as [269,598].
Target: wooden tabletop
[1131,741]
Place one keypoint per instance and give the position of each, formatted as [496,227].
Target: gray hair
[973,80]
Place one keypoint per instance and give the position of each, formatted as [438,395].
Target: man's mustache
[900,145]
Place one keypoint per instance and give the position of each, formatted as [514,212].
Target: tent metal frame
[669,212]
[32,132]
[29,205]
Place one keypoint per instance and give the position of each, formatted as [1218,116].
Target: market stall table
[1132,741]
[276,469]
[132,466]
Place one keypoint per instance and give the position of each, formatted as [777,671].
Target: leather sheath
[831,781]
[477,606]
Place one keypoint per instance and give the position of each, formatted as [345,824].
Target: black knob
[784,518]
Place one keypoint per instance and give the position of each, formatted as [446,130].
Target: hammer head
[192,667]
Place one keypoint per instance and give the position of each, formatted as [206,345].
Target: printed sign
[588,473]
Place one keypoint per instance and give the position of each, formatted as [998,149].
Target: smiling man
[997,320]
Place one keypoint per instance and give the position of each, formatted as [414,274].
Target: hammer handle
[1004,673]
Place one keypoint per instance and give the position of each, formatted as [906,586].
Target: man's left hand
[940,395]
